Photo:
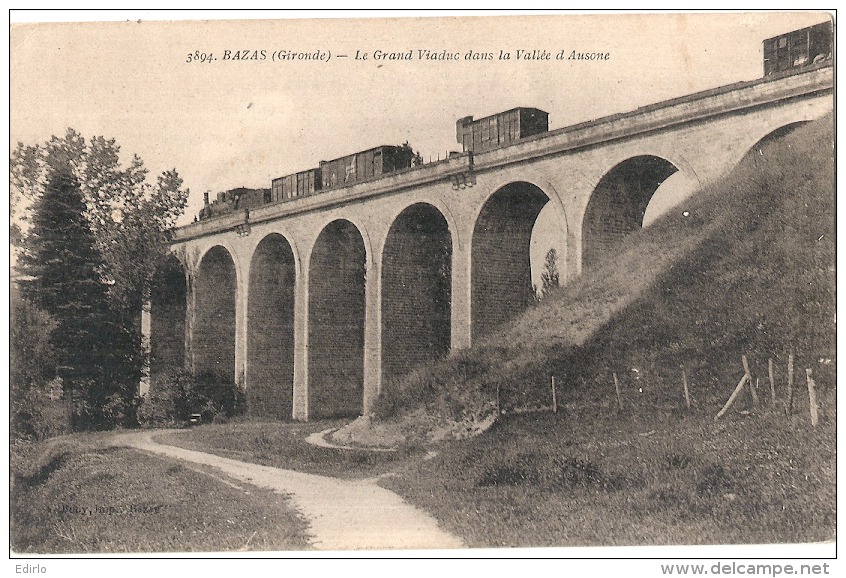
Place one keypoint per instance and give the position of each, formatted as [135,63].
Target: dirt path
[343,514]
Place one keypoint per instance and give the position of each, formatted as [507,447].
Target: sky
[228,123]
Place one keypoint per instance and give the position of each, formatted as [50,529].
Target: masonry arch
[416,290]
[215,289]
[774,135]
[618,203]
[270,336]
[168,309]
[500,267]
[336,321]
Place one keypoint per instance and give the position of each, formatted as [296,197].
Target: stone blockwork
[167,331]
[270,350]
[416,287]
[336,322]
[355,325]
[501,272]
[214,325]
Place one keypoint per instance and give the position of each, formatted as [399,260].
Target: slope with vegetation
[746,267]
[77,494]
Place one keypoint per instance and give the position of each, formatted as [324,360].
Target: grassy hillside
[77,494]
[749,270]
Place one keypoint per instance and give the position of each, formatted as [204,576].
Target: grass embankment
[283,445]
[749,272]
[747,268]
[78,495]
[634,478]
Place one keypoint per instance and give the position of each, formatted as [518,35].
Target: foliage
[549,277]
[216,397]
[128,216]
[62,276]
[90,236]
[178,394]
[35,415]
[32,357]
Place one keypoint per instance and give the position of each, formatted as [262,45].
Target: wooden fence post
[554,397]
[752,386]
[733,396]
[772,381]
[617,389]
[498,406]
[788,407]
[812,398]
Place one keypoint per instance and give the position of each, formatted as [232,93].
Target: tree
[549,277]
[32,359]
[62,267]
[130,218]
[91,238]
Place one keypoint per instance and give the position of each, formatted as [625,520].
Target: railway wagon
[297,185]
[365,164]
[500,129]
[798,48]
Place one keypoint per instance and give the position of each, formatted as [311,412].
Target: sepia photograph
[471,284]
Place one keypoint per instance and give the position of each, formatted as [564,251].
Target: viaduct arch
[501,277]
[269,376]
[336,319]
[215,291]
[322,301]
[618,204]
[416,289]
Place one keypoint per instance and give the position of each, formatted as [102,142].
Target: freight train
[790,51]
[480,135]
[798,48]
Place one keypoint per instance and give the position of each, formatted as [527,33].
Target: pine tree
[62,270]
[129,220]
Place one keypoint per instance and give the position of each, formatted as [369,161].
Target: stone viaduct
[316,304]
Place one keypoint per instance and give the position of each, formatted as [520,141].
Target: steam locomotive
[233,200]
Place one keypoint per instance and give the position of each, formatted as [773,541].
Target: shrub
[34,416]
[115,409]
[176,395]
[216,394]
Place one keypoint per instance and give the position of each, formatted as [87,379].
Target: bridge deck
[662,115]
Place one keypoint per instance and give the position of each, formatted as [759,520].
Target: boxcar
[364,165]
[798,48]
[500,129]
[296,185]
